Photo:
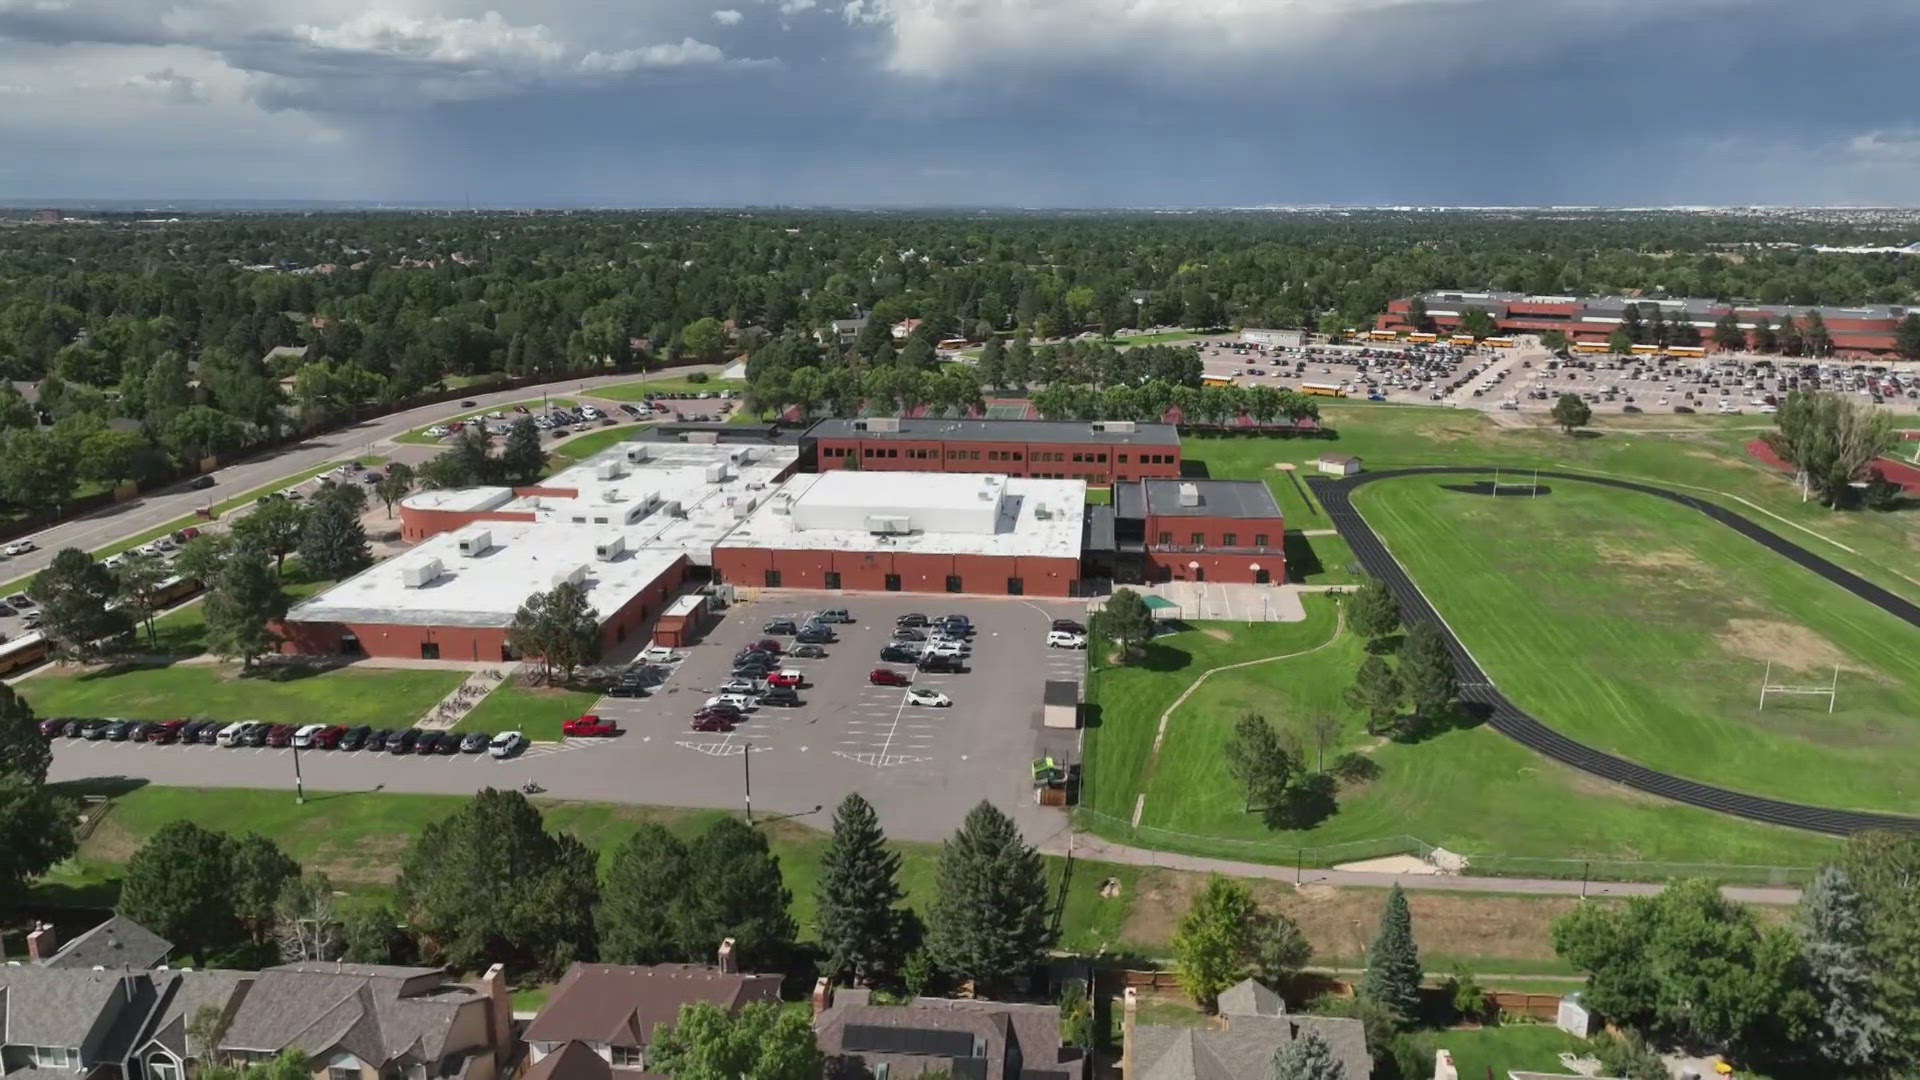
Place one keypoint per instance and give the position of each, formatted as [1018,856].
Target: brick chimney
[42,943]
[724,961]
[822,995]
[1130,1012]
[499,1013]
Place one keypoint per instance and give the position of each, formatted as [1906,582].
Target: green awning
[1157,604]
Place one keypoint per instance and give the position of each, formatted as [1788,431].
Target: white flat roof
[1034,519]
[486,589]
[467,499]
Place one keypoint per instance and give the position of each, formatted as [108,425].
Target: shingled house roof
[621,1005]
[1253,1024]
[375,1012]
[117,943]
[852,1031]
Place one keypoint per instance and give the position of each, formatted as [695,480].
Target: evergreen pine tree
[858,924]
[521,459]
[989,921]
[1427,672]
[734,890]
[24,754]
[1833,923]
[646,882]
[1019,367]
[1307,1058]
[993,362]
[1373,612]
[1393,963]
[1377,691]
[332,544]
[243,598]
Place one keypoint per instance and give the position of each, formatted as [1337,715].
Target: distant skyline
[963,103]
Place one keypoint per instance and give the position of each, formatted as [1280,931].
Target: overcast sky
[971,102]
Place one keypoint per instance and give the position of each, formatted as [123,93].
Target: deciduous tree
[1126,620]
[1571,413]
[138,580]
[1885,867]
[306,921]
[275,527]
[1831,440]
[394,484]
[559,627]
[24,754]
[75,595]
[36,833]
[1377,691]
[243,600]
[1213,944]
[763,1041]
[179,886]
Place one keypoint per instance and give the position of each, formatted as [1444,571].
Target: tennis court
[1008,411]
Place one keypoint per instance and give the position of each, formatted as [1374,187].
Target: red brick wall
[981,575]
[418,525]
[1010,458]
[1235,568]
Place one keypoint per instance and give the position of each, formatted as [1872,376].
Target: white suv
[1065,639]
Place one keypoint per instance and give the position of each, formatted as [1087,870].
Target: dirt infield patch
[1666,561]
[1786,645]
[1218,634]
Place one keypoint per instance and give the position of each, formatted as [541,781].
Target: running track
[1512,721]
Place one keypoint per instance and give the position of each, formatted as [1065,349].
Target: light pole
[746,774]
[299,786]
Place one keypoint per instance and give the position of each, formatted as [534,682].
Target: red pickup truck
[590,725]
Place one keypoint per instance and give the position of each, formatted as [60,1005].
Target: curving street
[155,508]
[1476,688]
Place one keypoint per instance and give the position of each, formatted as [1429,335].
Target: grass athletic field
[1469,790]
[1645,629]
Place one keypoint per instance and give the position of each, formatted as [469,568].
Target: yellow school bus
[1321,389]
[1498,343]
[1646,350]
[1423,339]
[1383,335]
[1592,347]
[1463,340]
[1686,350]
[1215,380]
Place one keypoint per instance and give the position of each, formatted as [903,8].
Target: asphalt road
[159,507]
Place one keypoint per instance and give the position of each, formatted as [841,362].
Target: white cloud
[1895,146]
[795,7]
[728,17]
[488,39]
[689,51]
[169,84]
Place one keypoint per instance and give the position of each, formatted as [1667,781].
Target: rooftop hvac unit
[1117,427]
[1040,512]
[673,508]
[878,423]
[476,543]
[575,576]
[742,456]
[889,524]
[717,473]
[608,470]
[610,549]
[783,503]
[421,575]
[743,507]
[1189,495]
[638,453]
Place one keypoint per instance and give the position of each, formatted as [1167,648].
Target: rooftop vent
[638,453]
[717,473]
[889,524]
[610,549]
[743,507]
[421,575]
[1041,513]
[574,576]
[742,456]
[476,543]
[608,470]
[1189,495]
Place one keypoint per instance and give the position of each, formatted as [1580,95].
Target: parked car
[780,626]
[951,665]
[475,742]
[51,728]
[201,482]
[899,654]
[166,732]
[1065,639]
[946,648]
[959,622]
[786,678]
[930,698]
[742,702]
[355,737]
[210,733]
[1068,626]
[888,677]
[769,646]
[731,712]
[404,742]
[378,738]
[814,635]
[781,696]
[807,650]
[303,737]
[281,735]
[832,615]
[711,722]
[627,686]
[909,634]
[140,730]
[912,618]
[428,742]
[74,729]
[752,655]
[590,724]
[328,738]
[506,744]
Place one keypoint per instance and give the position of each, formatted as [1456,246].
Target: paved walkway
[1087,846]
[1219,601]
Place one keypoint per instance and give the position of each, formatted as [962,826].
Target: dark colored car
[51,728]
[1068,626]
[781,626]
[731,712]
[281,735]
[166,732]
[210,734]
[404,742]
[909,634]
[201,482]
[355,737]
[707,722]
[142,731]
[895,654]
[954,620]
[475,742]
[428,742]
[814,635]
[888,677]
[912,618]
[769,646]
[190,732]
[119,730]
[782,696]
[749,656]
[74,729]
[807,650]
[949,664]
[256,735]
[449,743]
[377,739]
[627,687]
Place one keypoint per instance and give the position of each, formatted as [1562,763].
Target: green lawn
[1645,629]
[1524,1047]
[1673,451]
[1471,791]
[357,839]
[650,388]
[351,695]
[574,449]
[537,714]
[1320,560]
[534,405]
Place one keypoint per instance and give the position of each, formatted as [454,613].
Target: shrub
[697,377]
[1354,768]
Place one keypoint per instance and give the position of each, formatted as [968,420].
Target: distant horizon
[15,203]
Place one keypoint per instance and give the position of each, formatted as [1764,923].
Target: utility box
[638,453]
[1060,704]
[420,575]
[610,549]
[575,576]
[476,543]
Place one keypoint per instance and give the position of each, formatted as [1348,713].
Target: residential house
[168,1047]
[841,332]
[600,1022]
[67,1023]
[117,943]
[375,1021]
[1252,1025]
[967,1039]
[904,329]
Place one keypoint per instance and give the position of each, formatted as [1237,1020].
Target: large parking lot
[922,767]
